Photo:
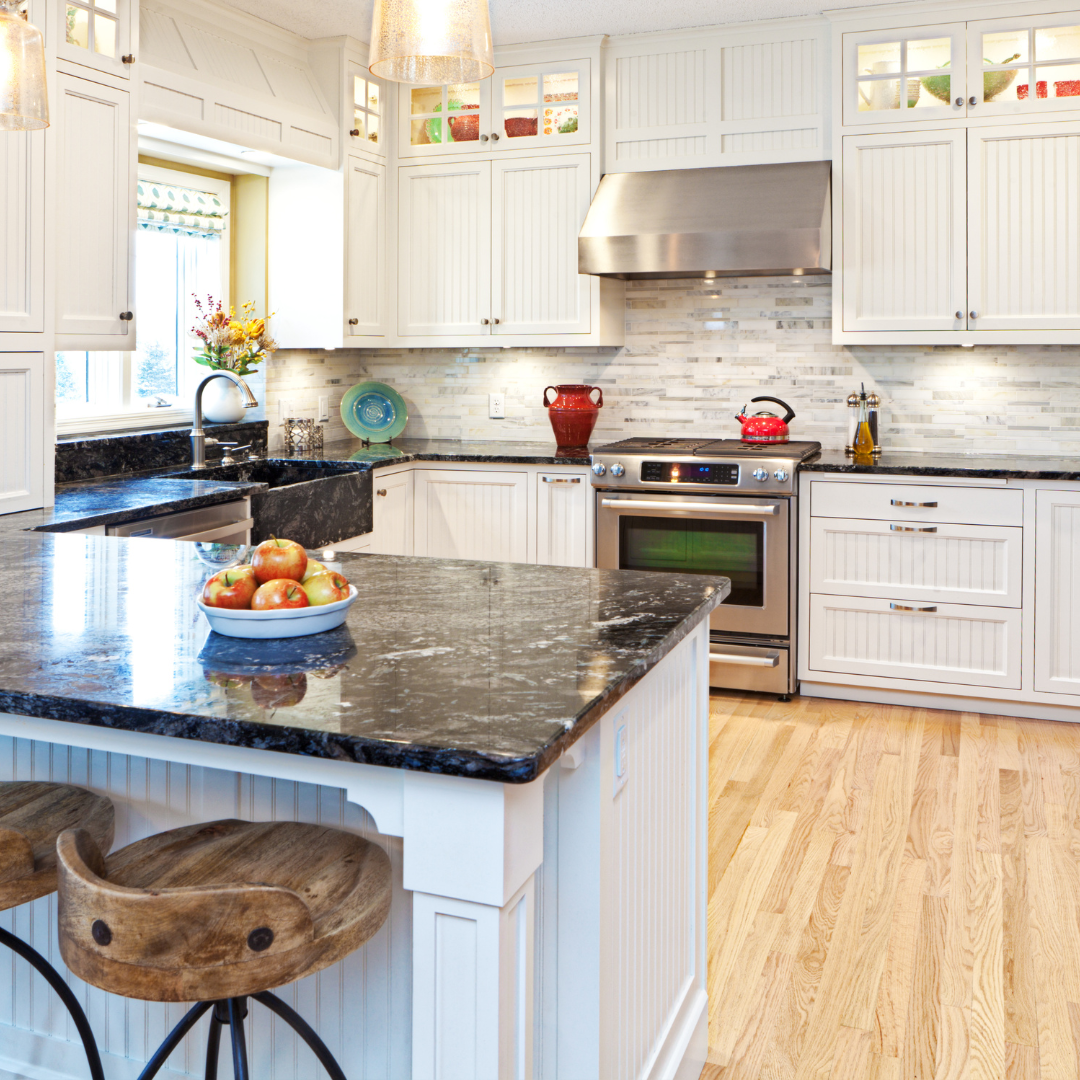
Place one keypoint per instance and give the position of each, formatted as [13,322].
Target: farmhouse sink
[275,474]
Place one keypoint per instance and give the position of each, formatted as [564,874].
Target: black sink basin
[275,474]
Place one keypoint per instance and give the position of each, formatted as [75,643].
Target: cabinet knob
[959,102]
[126,316]
[959,315]
[973,100]
[129,59]
[494,136]
[354,322]
[973,314]
[485,322]
[355,133]
[496,321]
[483,138]
[381,493]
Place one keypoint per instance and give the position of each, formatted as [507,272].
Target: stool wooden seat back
[216,913]
[33,814]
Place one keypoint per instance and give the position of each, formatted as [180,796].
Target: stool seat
[219,910]
[32,815]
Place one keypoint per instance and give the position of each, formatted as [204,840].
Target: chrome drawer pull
[690,508]
[905,607]
[561,479]
[772,660]
[913,528]
[900,502]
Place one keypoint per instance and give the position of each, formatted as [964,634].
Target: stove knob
[617,470]
[599,469]
[781,475]
[761,474]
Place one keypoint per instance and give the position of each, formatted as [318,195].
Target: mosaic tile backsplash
[695,352]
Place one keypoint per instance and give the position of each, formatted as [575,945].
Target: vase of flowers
[229,343]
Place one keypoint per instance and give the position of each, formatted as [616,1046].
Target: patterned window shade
[184,211]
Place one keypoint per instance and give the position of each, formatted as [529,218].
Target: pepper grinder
[873,407]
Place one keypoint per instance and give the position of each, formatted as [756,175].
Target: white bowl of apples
[280,594]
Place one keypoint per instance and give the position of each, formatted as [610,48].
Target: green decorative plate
[374,411]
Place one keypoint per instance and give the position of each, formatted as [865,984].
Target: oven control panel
[688,472]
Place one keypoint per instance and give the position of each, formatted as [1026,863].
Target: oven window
[731,549]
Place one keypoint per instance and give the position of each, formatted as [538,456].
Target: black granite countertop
[975,466]
[406,450]
[473,669]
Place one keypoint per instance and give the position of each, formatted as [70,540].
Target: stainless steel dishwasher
[225,523]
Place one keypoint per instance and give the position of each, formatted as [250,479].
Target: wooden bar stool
[32,816]
[217,913]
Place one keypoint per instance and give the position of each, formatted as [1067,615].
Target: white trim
[94,424]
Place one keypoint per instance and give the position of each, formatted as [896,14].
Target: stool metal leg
[173,1040]
[237,1012]
[213,1042]
[63,992]
[304,1030]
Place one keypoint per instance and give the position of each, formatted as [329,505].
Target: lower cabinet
[564,519]
[392,513]
[22,432]
[1057,592]
[471,514]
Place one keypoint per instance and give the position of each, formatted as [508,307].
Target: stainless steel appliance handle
[913,528]
[561,479]
[209,535]
[771,660]
[902,502]
[907,607]
[697,508]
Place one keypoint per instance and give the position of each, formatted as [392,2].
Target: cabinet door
[444,253]
[564,519]
[365,126]
[1024,229]
[905,234]
[365,249]
[392,513]
[900,76]
[22,236]
[437,120]
[538,206]
[472,514]
[96,33]
[22,431]
[95,204]
[1057,592]
[541,105]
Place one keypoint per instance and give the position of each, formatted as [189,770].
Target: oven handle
[697,508]
[768,660]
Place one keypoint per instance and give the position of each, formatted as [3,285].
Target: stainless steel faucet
[199,440]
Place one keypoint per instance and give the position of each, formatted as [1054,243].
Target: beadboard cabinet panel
[539,205]
[392,513]
[365,250]
[22,421]
[564,519]
[95,212]
[1057,592]
[904,231]
[22,232]
[1024,234]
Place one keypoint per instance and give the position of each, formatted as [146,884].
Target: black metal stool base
[63,992]
[232,1012]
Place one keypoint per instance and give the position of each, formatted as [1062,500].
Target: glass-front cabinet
[517,108]
[96,33]
[368,107]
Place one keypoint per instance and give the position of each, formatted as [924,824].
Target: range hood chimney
[737,221]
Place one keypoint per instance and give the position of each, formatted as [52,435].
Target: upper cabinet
[97,34]
[366,105]
[22,241]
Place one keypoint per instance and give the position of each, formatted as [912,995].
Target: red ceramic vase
[573,414]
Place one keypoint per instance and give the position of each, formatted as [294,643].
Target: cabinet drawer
[943,643]
[917,502]
[959,564]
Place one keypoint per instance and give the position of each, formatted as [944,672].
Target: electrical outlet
[283,409]
[497,406]
[324,407]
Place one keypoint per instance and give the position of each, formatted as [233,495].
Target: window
[182,248]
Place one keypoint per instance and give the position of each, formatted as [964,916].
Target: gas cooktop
[711,448]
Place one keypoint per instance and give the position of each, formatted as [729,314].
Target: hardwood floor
[894,893]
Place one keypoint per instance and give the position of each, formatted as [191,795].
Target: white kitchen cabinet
[471,514]
[444,250]
[22,431]
[95,215]
[392,513]
[904,231]
[366,112]
[365,251]
[22,238]
[564,518]
[917,503]
[1024,226]
[97,34]
[1057,592]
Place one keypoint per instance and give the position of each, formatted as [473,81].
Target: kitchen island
[528,743]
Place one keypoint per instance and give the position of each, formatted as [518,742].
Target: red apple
[231,588]
[278,691]
[279,593]
[326,588]
[223,679]
[313,567]
[276,558]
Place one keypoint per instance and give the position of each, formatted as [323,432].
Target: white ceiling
[542,20]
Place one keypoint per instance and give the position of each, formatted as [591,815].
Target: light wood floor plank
[1021,1025]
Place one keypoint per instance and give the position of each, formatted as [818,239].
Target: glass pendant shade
[431,42]
[24,105]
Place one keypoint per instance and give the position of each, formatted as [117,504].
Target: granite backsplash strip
[695,352]
[111,455]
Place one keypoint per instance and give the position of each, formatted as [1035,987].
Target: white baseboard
[687,1045]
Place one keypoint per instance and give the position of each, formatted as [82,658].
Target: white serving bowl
[283,623]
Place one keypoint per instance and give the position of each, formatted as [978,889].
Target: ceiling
[544,20]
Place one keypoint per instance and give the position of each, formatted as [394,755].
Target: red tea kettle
[766,427]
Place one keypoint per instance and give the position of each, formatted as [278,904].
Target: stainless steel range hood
[742,220]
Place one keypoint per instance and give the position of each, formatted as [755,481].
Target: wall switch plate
[497,406]
[324,407]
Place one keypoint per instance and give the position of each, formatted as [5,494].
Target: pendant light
[431,42]
[23,102]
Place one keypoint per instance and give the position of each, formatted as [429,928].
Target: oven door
[744,539]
